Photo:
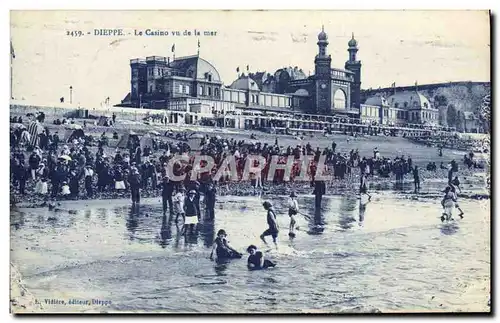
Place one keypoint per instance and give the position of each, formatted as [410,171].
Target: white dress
[178,203]
[65,190]
[41,187]
[449,204]
[119,185]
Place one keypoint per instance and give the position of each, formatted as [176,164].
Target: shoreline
[283,192]
[21,300]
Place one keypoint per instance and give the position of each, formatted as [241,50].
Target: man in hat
[271,222]
[166,195]
[293,209]
[135,185]
[210,197]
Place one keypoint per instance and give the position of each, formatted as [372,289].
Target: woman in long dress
[448,203]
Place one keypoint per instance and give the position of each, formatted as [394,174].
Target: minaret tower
[354,66]
[323,72]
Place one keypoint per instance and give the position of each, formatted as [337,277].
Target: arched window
[339,99]
[216,92]
[209,91]
[200,90]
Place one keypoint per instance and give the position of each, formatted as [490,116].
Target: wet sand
[101,250]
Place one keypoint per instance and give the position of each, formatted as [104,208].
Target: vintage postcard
[250,162]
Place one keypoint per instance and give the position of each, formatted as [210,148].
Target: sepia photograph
[250,162]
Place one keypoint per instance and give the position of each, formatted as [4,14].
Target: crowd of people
[60,169]
[55,169]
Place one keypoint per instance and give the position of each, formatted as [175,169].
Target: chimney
[168,60]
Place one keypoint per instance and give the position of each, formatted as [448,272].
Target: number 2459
[76,33]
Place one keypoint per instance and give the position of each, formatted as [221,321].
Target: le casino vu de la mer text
[154,32]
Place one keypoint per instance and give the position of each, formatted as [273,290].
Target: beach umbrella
[132,133]
[65,157]
[156,133]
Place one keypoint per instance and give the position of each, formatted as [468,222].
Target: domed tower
[354,66]
[323,67]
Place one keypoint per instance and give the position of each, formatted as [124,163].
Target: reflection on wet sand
[185,258]
[362,211]
[132,221]
[449,228]
[166,230]
[207,229]
[317,223]
[346,212]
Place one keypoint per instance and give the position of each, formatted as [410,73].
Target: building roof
[377,100]
[294,73]
[196,67]
[245,83]
[301,92]
[409,100]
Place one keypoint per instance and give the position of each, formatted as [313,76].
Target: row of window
[405,104]
[208,91]
[373,112]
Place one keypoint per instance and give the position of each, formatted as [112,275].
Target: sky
[394,46]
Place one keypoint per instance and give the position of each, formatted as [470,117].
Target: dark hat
[250,247]
[267,204]
[293,194]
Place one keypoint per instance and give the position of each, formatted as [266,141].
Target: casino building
[190,88]
[159,83]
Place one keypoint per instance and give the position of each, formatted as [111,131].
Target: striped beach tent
[34,129]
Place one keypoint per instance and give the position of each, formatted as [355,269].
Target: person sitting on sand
[222,248]
[256,259]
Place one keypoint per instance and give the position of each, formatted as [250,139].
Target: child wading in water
[256,259]
[454,191]
[448,202]
[222,248]
[178,203]
[362,187]
[271,222]
[293,209]
[191,211]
